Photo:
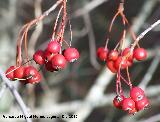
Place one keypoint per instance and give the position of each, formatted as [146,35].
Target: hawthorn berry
[142,104]
[10,72]
[129,55]
[102,53]
[128,104]
[48,67]
[54,47]
[32,75]
[140,54]
[113,55]
[117,101]
[120,63]
[48,56]
[136,94]
[19,72]
[132,111]
[38,57]
[110,65]
[59,62]
[71,54]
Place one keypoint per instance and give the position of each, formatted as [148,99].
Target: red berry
[54,47]
[102,53]
[117,101]
[126,52]
[129,63]
[140,54]
[48,67]
[71,54]
[38,57]
[32,75]
[48,56]
[10,72]
[110,65]
[120,62]
[133,111]
[128,104]
[136,94]
[59,62]
[113,55]
[142,104]
[19,72]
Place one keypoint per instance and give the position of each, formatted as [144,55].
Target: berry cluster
[118,61]
[25,74]
[136,102]
[52,57]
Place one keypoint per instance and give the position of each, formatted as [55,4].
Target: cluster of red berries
[136,102]
[25,74]
[120,59]
[53,58]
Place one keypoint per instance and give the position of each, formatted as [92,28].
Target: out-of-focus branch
[92,43]
[38,29]
[2,90]
[150,71]
[17,96]
[154,118]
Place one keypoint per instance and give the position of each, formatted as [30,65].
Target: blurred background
[85,88]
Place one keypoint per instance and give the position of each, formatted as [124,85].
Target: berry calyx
[38,57]
[54,47]
[102,53]
[59,62]
[140,54]
[136,94]
[71,54]
[10,72]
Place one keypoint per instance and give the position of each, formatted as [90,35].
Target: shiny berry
[32,75]
[19,72]
[38,57]
[129,55]
[71,54]
[48,67]
[140,54]
[54,47]
[128,104]
[113,55]
[102,53]
[142,104]
[117,101]
[132,111]
[120,63]
[48,56]
[10,72]
[110,65]
[59,61]
[136,94]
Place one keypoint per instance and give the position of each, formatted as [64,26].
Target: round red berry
[113,55]
[102,53]
[10,72]
[142,104]
[120,63]
[140,54]
[19,72]
[128,104]
[129,55]
[136,94]
[54,47]
[48,67]
[38,57]
[110,65]
[71,54]
[32,75]
[117,101]
[132,111]
[48,56]
[59,61]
